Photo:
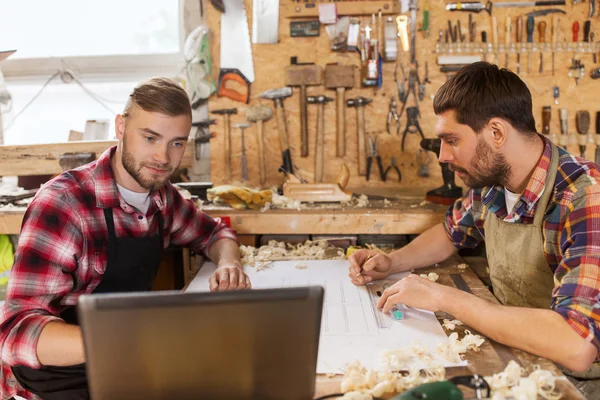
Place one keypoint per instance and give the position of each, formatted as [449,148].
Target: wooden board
[271,59]
[42,159]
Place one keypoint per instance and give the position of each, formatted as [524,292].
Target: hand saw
[236,52]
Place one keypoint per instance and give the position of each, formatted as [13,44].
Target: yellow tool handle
[542,31]
[494,31]
[508,27]
[554,31]
[520,30]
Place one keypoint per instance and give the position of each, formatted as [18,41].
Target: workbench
[406,215]
[492,356]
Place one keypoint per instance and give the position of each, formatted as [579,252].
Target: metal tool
[412,7]
[477,6]
[303,75]
[320,142]
[530,27]
[412,124]
[597,155]
[260,113]
[393,116]
[242,126]
[507,44]
[402,22]
[374,153]
[394,167]
[520,42]
[541,13]
[564,128]
[576,70]
[554,39]
[556,94]
[227,113]
[236,52]
[360,102]
[423,164]
[400,84]
[200,170]
[593,46]
[413,82]
[546,117]
[595,73]
[542,32]
[278,95]
[448,192]
[582,123]
[424,81]
[340,78]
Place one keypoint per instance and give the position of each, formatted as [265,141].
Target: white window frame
[123,65]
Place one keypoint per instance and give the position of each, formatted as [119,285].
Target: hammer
[277,95]
[258,114]
[242,127]
[359,103]
[226,112]
[321,101]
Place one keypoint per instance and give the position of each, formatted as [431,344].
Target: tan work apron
[519,271]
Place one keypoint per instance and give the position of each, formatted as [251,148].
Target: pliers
[374,152]
[393,114]
[394,166]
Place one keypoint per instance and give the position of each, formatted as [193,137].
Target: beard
[487,168]
[134,168]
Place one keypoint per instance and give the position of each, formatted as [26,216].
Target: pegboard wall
[270,61]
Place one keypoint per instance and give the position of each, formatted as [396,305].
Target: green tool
[447,390]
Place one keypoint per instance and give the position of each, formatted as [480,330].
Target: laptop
[255,344]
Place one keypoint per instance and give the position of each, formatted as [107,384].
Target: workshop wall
[271,59]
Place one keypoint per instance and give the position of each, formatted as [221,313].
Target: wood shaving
[263,257]
[454,347]
[386,203]
[423,203]
[278,201]
[513,382]
[432,276]
[451,324]
[300,266]
[358,202]
[462,266]
[266,207]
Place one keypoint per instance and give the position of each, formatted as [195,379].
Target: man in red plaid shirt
[102,228]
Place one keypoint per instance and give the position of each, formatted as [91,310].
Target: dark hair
[161,95]
[482,91]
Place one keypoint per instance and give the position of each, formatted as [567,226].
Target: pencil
[368,258]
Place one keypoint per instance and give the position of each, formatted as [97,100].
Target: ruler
[375,290]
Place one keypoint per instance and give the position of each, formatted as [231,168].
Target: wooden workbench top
[402,215]
[492,357]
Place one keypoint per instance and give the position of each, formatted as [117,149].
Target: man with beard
[102,228]
[537,208]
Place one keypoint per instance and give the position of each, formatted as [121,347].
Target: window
[109,45]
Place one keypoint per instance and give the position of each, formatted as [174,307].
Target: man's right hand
[375,266]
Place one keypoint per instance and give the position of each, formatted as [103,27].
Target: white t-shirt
[141,201]
[511,199]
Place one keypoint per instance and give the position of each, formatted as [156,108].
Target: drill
[448,192]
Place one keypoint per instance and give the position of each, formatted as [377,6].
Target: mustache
[454,168]
[159,167]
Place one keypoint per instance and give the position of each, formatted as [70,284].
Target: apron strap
[543,202]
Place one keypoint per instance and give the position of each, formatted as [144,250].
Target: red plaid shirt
[62,252]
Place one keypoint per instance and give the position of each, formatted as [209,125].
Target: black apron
[131,267]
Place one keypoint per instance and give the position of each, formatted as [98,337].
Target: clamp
[393,114]
[395,167]
[374,152]
[412,123]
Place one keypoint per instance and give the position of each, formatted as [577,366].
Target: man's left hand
[413,291]
[229,277]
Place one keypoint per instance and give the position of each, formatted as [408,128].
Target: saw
[477,6]
[237,66]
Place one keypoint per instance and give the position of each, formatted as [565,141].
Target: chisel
[508,29]
[554,38]
[530,28]
[519,42]
[564,128]
[495,39]
[542,32]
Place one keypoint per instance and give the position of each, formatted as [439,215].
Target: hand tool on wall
[424,81]
[227,113]
[412,6]
[542,32]
[258,114]
[340,77]
[554,39]
[556,94]
[575,32]
[236,52]
[242,126]
[472,29]
[576,70]
[519,42]
[422,163]
[412,124]
[265,21]
[507,44]
[303,75]
[495,39]
[592,8]
[564,128]
[541,13]
[413,81]
[391,43]
[202,138]
[394,167]
[374,153]
[546,117]
[582,123]
[400,84]
[402,22]
[278,95]
[593,46]
[530,27]
[597,155]
[587,25]
[477,6]
[360,102]
[393,116]
[448,192]
[425,24]
[320,142]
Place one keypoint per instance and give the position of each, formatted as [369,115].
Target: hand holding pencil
[368,266]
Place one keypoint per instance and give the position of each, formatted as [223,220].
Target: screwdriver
[495,38]
[542,32]
[520,42]
[554,39]
[508,29]
[546,116]
[530,28]
[575,30]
